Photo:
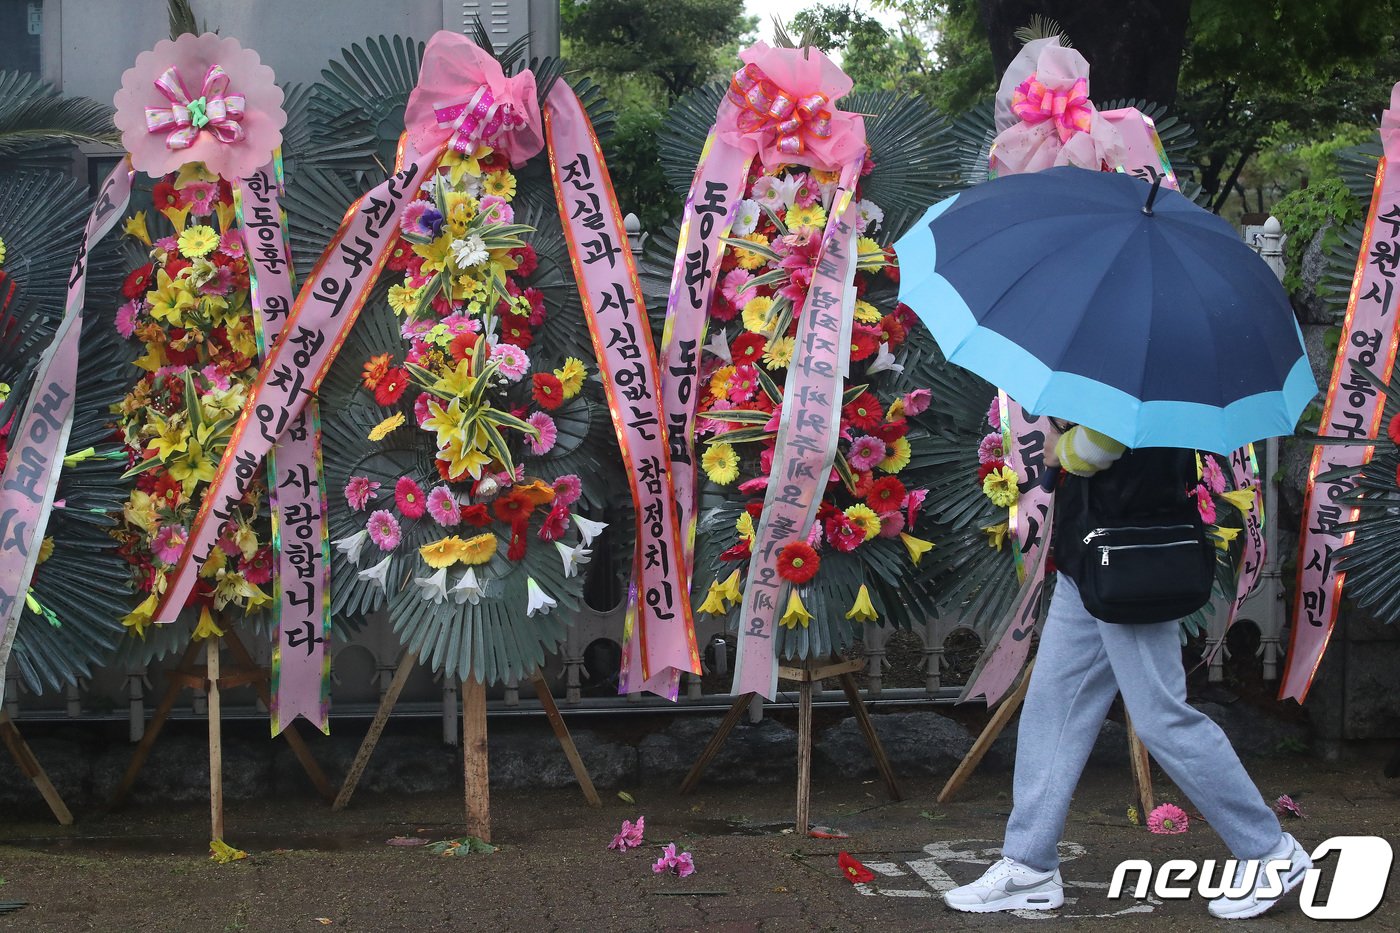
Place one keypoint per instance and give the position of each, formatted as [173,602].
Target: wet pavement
[309,869]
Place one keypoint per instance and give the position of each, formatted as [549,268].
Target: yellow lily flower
[1242,499]
[436,254]
[140,617]
[206,627]
[194,171]
[170,299]
[796,614]
[864,609]
[192,469]
[462,457]
[714,600]
[458,382]
[447,422]
[172,436]
[1224,536]
[135,226]
[917,547]
[997,534]
[459,164]
[729,589]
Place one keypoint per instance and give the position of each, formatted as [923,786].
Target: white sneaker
[1009,885]
[1251,904]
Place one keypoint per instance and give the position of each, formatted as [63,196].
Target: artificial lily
[538,600]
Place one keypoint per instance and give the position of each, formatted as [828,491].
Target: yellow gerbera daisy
[747,258]
[386,427]
[479,550]
[756,313]
[443,553]
[1000,487]
[744,525]
[404,299]
[197,241]
[571,376]
[867,313]
[721,464]
[813,217]
[501,184]
[867,250]
[864,517]
[778,352]
[719,382]
[898,456]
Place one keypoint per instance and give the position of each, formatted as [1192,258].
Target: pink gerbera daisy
[549,433]
[917,401]
[231,244]
[126,319]
[216,377]
[514,363]
[408,496]
[1204,503]
[866,452]
[1212,474]
[359,491]
[443,507]
[567,489]
[495,210]
[1166,819]
[199,197]
[994,414]
[384,530]
[990,448]
[169,543]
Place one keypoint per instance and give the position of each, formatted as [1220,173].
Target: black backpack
[1132,538]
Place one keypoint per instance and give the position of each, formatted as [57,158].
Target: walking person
[1083,662]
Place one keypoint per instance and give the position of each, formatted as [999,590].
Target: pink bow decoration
[214,110]
[782,104]
[1068,108]
[464,99]
[479,120]
[765,106]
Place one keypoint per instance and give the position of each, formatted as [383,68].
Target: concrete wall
[87,44]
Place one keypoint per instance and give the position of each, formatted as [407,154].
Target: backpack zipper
[1104,549]
[1099,532]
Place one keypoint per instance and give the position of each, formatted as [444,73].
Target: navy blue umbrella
[1091,297]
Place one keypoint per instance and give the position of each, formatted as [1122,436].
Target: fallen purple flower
[681,863]
[1286,804]
[630,836]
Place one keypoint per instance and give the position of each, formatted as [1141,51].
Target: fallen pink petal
[1286,804]
[630,836]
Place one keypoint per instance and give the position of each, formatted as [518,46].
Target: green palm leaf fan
[72,623]
[36,122]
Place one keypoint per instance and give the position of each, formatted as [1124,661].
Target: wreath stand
[1137,752]
[475,758]
[805,676]
[29,766]
[212,680]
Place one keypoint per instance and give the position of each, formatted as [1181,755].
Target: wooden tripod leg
[476,771]
[216,746]
[979,749]
[376,729]
[872,738]
[158,720]
[566,741]
[29,766]
[804,754]
[1142,768]
[731,719]
[294,740]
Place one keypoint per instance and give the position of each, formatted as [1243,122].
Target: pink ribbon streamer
[215,110]
[40,440]
[1353,410]
[808,429]
[607,276]
[300,657]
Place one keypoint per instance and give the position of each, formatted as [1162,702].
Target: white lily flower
[884,362]
[468,589]
[871,215]
[434,587]
[746,217]
[573,557]
[785,189]
[539,600]
[351,544]
[719,345]
[377,574]
[588,529]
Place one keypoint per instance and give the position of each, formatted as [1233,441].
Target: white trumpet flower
[719,345]
[884,361]
[351,544]
[539,600]
[588,529]
[434,587]
[468,589]
[573,557]
[377,574]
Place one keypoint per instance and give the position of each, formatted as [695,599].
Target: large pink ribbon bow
[764,105]
[480,119]
[1068,107]
[214,110]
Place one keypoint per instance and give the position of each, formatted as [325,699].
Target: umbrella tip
[1152,195]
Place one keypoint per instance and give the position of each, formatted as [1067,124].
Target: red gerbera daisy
[513,507]
[138,282]
[739,551]
[798,562]
[886,494]
[400,255]
[891,431]
[476,515]
[894,330]
[853,869]
[548,391]
[165,196]
[986,469]
[391,387]
[748,347]
[865,341]
[461,346]
[515,330]
[1393,430]
[408,496]
[864,412]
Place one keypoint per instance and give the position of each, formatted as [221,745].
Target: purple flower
[359,491]
[1285,804]
[384,530]
[630,836]
[422,219]
[866,452]
[442,506]
[549,433]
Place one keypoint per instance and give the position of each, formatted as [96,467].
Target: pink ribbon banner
[300,658]
[1244,470]
[607,277]
[808,428]
[325,310]
[1024,445]
[1353,411]
[40,440]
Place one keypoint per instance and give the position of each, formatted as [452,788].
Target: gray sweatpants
[1082,663]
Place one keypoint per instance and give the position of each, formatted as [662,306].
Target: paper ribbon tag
[39,439]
